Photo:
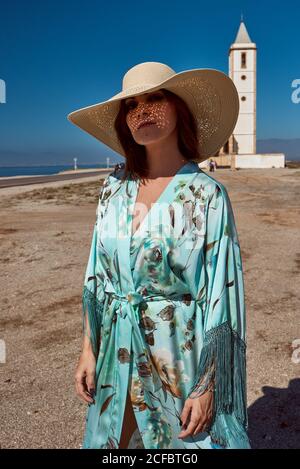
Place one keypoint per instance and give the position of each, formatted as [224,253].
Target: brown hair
[136,163]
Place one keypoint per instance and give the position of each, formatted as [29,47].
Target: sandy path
[45,236]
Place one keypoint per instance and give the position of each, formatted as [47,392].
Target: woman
[164,349]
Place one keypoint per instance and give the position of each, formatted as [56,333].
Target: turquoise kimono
[166,313]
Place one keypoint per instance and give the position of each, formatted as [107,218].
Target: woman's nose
[142,109]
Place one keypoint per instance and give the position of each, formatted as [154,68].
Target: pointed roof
[242,36]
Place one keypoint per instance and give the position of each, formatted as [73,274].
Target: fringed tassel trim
[225,352]
[93,307]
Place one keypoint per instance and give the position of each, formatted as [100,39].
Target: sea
[8,171]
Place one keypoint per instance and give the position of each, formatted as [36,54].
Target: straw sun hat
[210,95]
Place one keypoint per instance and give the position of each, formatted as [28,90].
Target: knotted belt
[126,310]
[134,298]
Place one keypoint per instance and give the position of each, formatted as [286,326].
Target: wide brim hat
[210,95]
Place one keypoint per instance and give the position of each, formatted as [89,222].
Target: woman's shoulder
[219,201]
[115,175]
[112,180]
[119,170]
[211,187]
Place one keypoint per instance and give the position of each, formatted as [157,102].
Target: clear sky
[58,56]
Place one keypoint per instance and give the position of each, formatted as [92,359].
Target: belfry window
[243,60]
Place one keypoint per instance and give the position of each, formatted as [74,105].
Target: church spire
[242,36]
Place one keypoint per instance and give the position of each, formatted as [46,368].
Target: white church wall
[244,125]
[250,59]
[244,79]
[265,160]
[244,144]
[248,104]
[258,161]
[246,85]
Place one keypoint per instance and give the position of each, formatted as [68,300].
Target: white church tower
[242,70]
[240,149]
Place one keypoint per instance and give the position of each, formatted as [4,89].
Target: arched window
[226,148]
[243,60]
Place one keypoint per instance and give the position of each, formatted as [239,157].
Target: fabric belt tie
[126,304]
[134,298]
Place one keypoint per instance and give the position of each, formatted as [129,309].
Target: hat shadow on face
[186,130]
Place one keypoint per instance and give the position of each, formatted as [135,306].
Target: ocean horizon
[10,171]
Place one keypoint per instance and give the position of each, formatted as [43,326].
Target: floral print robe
[166,313]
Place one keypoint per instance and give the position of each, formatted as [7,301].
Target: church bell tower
[242,70]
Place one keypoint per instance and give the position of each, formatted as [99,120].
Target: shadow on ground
[274,419]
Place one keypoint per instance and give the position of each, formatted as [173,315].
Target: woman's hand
[85,375]
[201,409]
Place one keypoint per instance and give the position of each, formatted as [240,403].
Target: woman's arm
[222,364]
[92,309]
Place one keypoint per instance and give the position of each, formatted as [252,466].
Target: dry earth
[45,235]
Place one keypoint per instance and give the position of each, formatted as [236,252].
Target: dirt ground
[45,236]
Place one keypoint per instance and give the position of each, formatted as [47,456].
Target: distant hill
[290,147]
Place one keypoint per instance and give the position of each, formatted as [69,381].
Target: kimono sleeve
[93,286]
[222,363]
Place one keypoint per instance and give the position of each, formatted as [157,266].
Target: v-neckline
[163,194]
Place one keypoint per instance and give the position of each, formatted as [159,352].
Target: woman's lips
[146,124]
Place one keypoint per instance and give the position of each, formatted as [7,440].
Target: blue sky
[58,56]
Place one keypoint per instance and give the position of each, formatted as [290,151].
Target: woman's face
[153,108]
